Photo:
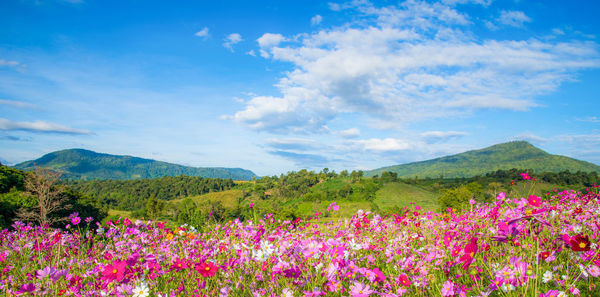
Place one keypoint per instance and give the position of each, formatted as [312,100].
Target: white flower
[561,294]
[507,287]
[141,291]
[577,229]
[583,271]
[547,276]
[354,245]
[287,293]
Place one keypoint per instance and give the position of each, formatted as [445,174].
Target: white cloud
[440,136]
[232,39]
[589,119]
[480,2]
[203,33]
[349,133]
[558,31]
[298,144]
[513,18]
[382,145]
[317,19]
[411,62]
[268,41]
[533,138]
[39,126]
[18,104]
[8,63]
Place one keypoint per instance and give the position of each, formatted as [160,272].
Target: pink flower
[114,272]
[594,270]
[526,176]
[534,200]
[448,289]
[333,206]
[180,264]
[360,290]
[251,205]
[470,251]
[207,269]
[403,279]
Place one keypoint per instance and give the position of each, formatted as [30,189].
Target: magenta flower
[507,231]
[534,200]
[333,206]
[114,272]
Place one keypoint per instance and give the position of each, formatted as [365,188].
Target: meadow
[513,246]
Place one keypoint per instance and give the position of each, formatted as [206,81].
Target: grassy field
[119,213]
[401,195]
[229,198]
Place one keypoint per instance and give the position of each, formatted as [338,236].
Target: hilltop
[80,164]
[516,154]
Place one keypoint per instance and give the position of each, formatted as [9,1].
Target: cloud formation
[18,104]
[203,33]
[316,20]
[232,39]
[405,64]
[441,136]
[40,127]
[8,63]
[513,18]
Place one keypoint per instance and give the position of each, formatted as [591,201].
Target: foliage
[133,194]
[517,154]
[13,197]
[79,164]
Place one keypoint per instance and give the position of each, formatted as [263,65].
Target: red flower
[180,264]
[403,279]
[116,271]
[207,269]
[579,243]
[470,251]
[534,200]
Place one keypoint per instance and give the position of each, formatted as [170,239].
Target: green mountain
[80,164]
[516,154]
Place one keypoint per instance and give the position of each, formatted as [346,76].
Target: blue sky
[275,86]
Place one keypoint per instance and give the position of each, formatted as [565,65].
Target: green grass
[401,195]
[119,213]
[229,198]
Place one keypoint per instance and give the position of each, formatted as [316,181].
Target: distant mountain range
[83,164]
[516,154]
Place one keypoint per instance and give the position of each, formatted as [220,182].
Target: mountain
[516,154]
[87,165]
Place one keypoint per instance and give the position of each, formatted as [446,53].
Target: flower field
[533,246]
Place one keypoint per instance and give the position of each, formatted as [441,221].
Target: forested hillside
[517,154]
[79,164]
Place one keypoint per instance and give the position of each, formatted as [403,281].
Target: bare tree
[49,197]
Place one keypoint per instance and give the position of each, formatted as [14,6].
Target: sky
[278,86]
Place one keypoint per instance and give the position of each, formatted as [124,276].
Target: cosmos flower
[359,289]
[534,200]
[207,269]
[141,290]
[579,243]
[115,271]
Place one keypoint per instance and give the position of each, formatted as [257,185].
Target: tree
[49,198]
[154,208]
